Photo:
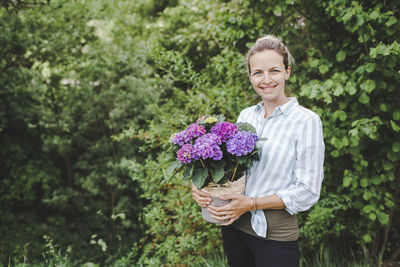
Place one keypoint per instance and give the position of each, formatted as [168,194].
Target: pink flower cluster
[224,130]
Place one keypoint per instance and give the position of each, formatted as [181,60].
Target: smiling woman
[269,65]
[268,75]
[262,228]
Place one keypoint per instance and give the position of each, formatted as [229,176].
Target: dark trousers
[244,250]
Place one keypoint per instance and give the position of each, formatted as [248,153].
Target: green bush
[72,75]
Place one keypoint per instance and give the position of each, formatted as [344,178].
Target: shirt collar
[283,109]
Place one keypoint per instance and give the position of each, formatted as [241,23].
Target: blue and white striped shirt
[291,160]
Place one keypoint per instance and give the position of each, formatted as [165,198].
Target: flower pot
[216,190]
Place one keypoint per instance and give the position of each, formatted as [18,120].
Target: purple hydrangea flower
[242,143]
[186,153]
[185,136]
[207,146]
[224,130]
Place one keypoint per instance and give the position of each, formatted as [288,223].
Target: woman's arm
[305,190]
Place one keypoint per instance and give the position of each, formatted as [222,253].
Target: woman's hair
[270,42]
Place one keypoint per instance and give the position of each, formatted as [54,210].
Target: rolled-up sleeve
[308,171]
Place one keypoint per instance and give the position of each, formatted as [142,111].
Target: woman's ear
[287,74]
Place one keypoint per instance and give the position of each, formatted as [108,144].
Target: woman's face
[268,76]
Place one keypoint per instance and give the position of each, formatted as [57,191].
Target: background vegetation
[92,90]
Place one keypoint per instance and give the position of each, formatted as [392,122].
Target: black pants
[244,250]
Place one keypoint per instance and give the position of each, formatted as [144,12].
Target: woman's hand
[232,211]
[203,199]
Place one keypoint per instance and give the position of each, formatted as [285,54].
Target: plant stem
[234,172]
[202,163]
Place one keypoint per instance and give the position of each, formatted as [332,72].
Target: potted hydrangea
[214,154]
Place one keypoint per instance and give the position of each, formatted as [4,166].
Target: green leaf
[340,56]
[376,180]
[367,195]
[323,69]
[368,209]
[340,114]
[396,115]
[372,216]
[363,98]
[396,147]
[370,67]
[364,182]
[338,91]
[347,181]
[387,166]
[360,20]
[346,17]
[391,21]
[367,238]
[383,218]
[173,167]
[245,126]
[242,159]
[277,11]
[395,127]
[364,163]
[217,173]
[374,15]
[351,89]
[199,177]
[46,73]
[373,52]
[368,86]
[188,171]
[335,153]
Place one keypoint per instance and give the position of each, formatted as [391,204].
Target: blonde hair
[270,42]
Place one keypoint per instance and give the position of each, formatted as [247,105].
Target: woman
[262,229]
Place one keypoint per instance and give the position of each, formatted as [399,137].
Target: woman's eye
[257,73]
[275,71]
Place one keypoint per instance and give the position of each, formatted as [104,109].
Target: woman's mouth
[267,89]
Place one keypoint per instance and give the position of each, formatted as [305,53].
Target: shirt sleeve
[308,171]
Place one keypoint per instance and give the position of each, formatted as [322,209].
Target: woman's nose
[267,77]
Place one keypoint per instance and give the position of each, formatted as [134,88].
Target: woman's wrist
[253,205]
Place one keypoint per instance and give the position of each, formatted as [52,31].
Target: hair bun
[268,37]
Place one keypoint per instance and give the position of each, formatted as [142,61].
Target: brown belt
[281,225]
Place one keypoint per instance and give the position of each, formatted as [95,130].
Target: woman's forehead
[266,59]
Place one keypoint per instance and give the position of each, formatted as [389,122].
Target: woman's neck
[269,106]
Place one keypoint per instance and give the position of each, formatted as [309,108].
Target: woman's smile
[268,89]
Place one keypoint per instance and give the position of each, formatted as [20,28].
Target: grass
[325,258]
[214,260]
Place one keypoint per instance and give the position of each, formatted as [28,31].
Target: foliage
[71,76]
[353,81]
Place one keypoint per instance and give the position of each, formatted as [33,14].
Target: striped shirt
[291,160]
